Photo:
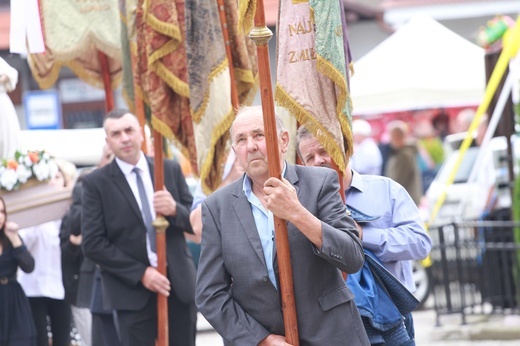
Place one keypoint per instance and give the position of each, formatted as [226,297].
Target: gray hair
[303,133]
[280,127]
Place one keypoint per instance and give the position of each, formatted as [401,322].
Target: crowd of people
[107,282]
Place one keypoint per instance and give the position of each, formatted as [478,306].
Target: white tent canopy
[422,65]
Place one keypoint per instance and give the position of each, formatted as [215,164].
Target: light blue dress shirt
[264,221]
[398,236]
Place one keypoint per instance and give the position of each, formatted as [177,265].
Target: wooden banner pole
[261,36]
[160,224]
[105,73]
[229,54]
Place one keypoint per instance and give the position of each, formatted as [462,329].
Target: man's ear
[284,141]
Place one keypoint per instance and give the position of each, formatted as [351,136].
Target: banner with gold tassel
[162,71]
[311,47]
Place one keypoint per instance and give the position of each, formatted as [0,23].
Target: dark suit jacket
[71,255]
[114,236]
[233,290]
[77,270]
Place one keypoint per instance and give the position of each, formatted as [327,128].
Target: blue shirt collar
[357,182]
[246,184]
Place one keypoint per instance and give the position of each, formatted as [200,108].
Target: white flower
[41,171]
[25,160]
[8,179]
[24,174]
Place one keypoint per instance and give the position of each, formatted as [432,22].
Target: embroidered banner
[311,73]
[127,14]
[210,89]
[74,32]
[210,82]
[161,71]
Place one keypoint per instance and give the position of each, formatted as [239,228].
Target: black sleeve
[24,258]
[71,224]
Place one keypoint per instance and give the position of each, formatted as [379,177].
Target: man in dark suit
[81,276]
[237,281]
[117,235]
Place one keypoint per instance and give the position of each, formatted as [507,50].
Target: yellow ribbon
[511,44]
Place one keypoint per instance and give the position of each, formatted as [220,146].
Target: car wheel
[423,283]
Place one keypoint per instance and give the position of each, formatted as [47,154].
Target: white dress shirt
[127,168]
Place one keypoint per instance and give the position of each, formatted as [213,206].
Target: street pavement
[479,330]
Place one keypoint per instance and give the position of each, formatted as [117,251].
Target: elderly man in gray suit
[237,287]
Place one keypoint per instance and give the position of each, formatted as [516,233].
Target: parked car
[466,200]
[422,278]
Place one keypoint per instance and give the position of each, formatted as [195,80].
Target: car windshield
[465,167]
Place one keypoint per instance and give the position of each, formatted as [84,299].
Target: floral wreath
[38,165]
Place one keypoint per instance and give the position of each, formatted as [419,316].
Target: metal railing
[475,268]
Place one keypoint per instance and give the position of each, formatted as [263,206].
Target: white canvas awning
[422,65]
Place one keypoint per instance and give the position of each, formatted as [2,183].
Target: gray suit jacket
[233,290]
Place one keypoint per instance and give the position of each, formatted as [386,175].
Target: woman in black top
[16,322]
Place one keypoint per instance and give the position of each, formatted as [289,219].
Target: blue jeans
[408,323]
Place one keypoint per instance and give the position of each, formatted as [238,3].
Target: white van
[467,200]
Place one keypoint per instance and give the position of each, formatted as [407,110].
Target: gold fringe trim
[222,129]
[133,48]
[248,92]
[247,85]
[160,26]
[86,76]
[162,128]
[327,69]
[244,75]
[305,118]
[158,54]
[196,114]
[178,85]
[138,92]
[168,152]
[48,81]
[86,44]
[246,14]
